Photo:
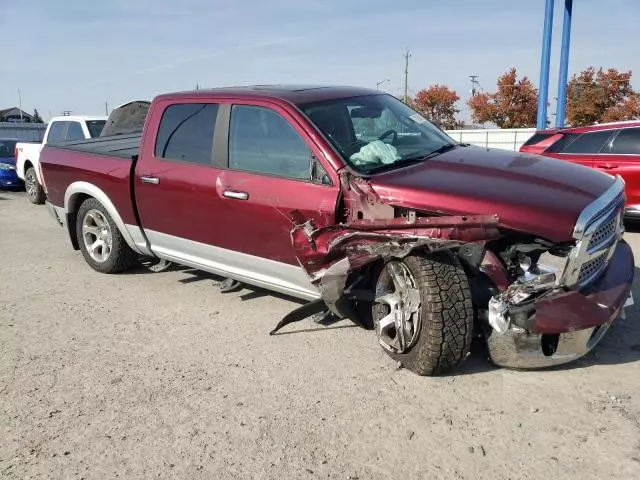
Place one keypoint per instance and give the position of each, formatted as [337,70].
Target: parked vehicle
[613,148]
[404,231]
[8,176]
[59,129]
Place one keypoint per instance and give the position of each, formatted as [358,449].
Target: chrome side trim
[77,188]
[138,238]
[261,272]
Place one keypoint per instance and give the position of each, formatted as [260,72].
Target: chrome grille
[596,233]
[591,268]
[604,232]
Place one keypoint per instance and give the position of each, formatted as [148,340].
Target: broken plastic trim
[535,280]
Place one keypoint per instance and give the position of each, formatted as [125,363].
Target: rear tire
[101,243]
[436,338]
[35,192]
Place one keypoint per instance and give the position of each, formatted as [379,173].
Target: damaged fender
[372,231]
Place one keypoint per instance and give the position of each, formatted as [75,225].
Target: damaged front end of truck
[518,281]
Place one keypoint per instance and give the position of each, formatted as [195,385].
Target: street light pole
[381,82]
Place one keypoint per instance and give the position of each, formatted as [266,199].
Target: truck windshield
[95,127]
[373,133]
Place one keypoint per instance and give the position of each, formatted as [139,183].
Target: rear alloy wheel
[101,243]
[35,192]
[422,313]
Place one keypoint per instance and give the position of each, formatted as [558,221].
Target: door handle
[607,166]
[235,195]
[151,180]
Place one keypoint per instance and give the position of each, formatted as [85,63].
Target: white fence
[503,138]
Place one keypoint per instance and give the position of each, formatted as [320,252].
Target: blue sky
[77,54]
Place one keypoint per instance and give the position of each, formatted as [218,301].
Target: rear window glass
[186,132]
[74,131]
[537,138]
[56,132]
[627,142]
[591,142]
[559,145]
[95,127]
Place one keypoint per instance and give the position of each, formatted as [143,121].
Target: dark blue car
[8,174]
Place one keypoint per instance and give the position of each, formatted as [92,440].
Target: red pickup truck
[351,200]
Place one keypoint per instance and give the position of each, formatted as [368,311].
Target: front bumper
[567,326]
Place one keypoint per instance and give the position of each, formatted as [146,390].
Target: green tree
[36,116]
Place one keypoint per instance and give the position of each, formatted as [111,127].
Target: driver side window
[261,141]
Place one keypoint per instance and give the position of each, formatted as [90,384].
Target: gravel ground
[158,375]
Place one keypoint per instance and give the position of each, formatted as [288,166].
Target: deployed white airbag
[375,152]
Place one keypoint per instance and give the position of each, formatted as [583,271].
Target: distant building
[13,115]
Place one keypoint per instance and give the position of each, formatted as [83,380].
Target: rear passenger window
[627,142]
[560,145]
[261,141]
[74,131]
[186,132]
[56,132]
[590,142]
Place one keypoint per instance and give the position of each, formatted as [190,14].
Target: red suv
[613,148]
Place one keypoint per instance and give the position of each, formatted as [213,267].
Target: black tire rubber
[39,197]
[446,315]
[121,257]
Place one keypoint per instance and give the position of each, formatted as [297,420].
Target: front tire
[35,192]
[423,313]
[101,243]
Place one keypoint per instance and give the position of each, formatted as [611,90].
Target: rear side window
[537,138]
[56,132]
[95,127]
[627,142]
[591,142]
[186,133]
[566,139]
[261,141]
[74,131]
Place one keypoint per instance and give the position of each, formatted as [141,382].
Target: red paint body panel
[576,311]
[529,193]
[110,174]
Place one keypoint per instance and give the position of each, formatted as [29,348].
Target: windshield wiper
[413,159]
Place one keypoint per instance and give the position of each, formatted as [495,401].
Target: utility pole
[406,75]
[474,82]
[106,108]
[20,105]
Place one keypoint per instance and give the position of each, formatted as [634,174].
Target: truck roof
[77,118]
[296,94]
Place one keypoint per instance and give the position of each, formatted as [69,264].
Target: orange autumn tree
[438,104]
[601,96]
[514,104]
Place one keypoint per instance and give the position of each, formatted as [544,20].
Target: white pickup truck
[60,129]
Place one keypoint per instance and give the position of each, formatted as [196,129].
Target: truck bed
[124,146]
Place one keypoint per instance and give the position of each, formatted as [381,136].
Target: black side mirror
[317,173]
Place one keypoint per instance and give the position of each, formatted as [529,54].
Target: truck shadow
[620,345]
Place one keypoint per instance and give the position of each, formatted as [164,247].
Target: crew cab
[612,147]
[351,200]
[59,129]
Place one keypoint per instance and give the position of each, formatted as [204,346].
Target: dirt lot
[158,375]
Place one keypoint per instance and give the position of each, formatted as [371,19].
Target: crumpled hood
[530,193]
